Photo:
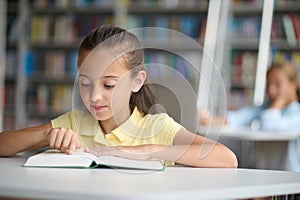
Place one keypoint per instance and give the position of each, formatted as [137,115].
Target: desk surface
[247,134]
[173,183]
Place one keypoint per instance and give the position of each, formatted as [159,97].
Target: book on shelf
[12,29]
[277,32]
[55,62]
[289,30]
[296,23]
[42,98]
[55,159]
[40,29]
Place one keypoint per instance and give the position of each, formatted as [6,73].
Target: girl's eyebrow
[110,77]
[83,75]
[103,77]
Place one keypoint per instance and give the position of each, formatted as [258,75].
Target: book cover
[80,159]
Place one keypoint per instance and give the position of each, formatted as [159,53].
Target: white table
[252,141]
[173,183]
[247,134]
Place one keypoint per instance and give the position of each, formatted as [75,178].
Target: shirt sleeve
[168,132]
[243,116]
[62,121]
[276,120]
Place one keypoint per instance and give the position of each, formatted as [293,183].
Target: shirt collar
[87,125]
[123,131]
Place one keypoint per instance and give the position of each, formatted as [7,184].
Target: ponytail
[143,99]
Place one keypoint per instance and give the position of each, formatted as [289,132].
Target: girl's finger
[73,144]
[52,137]
[65,146]
[59,138]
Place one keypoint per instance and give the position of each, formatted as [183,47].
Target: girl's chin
[100,116]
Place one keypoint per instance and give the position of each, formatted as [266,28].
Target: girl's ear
[138,81]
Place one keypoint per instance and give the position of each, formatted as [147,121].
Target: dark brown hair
[290,71]
[129,48]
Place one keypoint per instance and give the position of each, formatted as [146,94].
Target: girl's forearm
[205,155]
[15,141]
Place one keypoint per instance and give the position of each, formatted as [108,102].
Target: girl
[113,88]
[282,110]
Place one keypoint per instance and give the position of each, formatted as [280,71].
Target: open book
[80,159]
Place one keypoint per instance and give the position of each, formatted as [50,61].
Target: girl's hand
[283,100]
[140,152]
[63,139]
[204,117]
[279,103]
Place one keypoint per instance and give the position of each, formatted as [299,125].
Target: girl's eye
[85,84]
[108,86]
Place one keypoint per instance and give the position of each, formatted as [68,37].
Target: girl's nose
[96,94]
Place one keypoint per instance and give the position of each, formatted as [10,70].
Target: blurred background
[39,41]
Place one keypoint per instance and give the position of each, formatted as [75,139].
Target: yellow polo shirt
[137,130]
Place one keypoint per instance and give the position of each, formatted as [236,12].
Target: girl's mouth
[98,108]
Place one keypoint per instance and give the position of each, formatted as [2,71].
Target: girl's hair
[290,71]
[129,48]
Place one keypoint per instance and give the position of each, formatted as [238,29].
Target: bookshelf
[285,40]
[245,26]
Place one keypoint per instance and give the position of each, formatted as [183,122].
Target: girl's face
[105,86]
[279,85]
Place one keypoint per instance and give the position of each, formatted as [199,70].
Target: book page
[54,158]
